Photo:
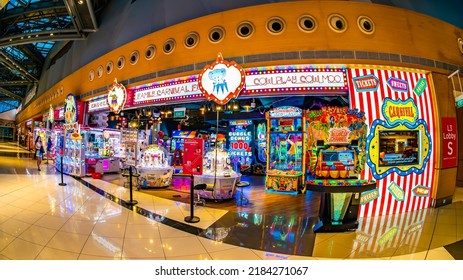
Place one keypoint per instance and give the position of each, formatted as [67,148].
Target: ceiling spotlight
[80,2]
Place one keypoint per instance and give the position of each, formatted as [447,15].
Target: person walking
[49,147]
[39,151]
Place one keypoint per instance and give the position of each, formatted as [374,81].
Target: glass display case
[102,146]
[74,155]
[154,168]
[218,175]
[285,162]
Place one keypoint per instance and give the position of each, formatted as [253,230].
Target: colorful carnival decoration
[116,97]
[401,143]
[222,80]
[401,113]
[336,142]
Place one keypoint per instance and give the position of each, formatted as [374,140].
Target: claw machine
[286,157]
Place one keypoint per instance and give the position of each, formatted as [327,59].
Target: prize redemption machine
[336,139]
[177,148]
[285,162]
[102,152]
[218,175]
[154,168]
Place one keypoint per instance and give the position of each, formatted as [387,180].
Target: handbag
[42,151]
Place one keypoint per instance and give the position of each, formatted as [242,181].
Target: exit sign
[179,113]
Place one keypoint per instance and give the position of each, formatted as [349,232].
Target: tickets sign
[366,83]
[397,192]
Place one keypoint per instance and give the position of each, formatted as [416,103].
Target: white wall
[8,115]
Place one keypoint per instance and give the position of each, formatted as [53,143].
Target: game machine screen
[177,148]
[241,145]
[399,147]
[285,162]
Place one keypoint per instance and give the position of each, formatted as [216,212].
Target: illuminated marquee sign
[285,112]
[98,104]
[176,89]
[295,79]
[222,80]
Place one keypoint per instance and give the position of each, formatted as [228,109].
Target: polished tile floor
[90,219]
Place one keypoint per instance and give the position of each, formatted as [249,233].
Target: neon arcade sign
[176,89]
[298,78]
[98,104]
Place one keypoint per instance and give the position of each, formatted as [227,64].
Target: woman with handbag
[39,151]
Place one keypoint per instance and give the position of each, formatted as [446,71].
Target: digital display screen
[342,156]
[399,147]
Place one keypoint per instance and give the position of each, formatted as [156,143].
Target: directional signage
[397,84]
[366,83]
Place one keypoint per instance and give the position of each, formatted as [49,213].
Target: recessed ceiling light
[80,2]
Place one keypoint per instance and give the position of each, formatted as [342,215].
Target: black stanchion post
[61,169]
[131,201]
[192,218]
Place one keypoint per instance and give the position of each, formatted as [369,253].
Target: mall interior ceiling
[35,33]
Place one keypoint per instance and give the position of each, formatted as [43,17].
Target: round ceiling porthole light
[134,56]
[366,25]
[120,62]
[109,67]
[150,52]
[216,34]
[460,44]
[169,46]
[191,40]
[337,23]
[99,71]
[91,75]
[245,30]
[307,23]
[276,25]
